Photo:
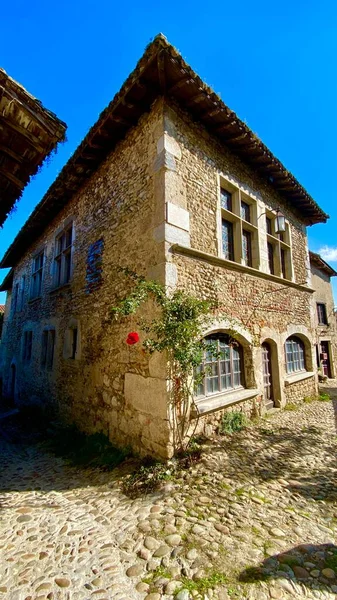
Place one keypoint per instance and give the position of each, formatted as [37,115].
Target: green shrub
[290,406]
[148,477]
[324,398]
[232,422]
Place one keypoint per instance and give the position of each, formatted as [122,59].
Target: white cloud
[329,253]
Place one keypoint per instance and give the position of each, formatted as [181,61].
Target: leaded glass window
[227,240]
[295,356]
[221,366]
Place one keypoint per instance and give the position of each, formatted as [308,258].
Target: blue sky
[274,64]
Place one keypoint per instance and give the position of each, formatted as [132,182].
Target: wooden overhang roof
[319,263]
[160,72]
[28,133]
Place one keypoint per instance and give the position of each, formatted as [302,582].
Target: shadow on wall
[308,564]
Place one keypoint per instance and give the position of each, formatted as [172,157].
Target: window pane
[69,237]
[74,343]
[283,263]
[223,371]
[44,348]
[321,313]
[295,355]
[226,199]
[247,248]
[271,258]
[57,271]
[245,211]
[227,240]
[67,267]
[268,226]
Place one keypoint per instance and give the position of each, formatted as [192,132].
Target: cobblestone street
[255,518]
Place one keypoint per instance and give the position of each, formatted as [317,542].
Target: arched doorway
[268,392]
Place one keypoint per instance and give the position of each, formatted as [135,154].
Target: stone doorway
[268,393]
[325,359]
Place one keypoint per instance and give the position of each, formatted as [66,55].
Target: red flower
[132,338]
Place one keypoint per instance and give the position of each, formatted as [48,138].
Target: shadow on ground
[28,462]
[311,565]
[261,453]
[265,454]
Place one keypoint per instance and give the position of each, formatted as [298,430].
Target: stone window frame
[71,353]
[27,345]
[236,353]
[295,353]
[22,292]
[322,315]
[15,298]
[38,263]
[48,345]
[241,199]
[62,270]
[279,247]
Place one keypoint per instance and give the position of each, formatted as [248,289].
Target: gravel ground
[256,518]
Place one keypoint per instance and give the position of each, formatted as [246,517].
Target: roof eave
[161,71]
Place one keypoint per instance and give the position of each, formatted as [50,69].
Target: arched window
[295,355]
[221,366]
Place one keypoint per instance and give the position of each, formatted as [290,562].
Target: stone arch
[275,368]
[244,338]
[303,334]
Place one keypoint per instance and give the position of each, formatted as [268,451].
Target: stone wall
[299,390]
[323,294]
[258,306]
[109,386]
[158,189]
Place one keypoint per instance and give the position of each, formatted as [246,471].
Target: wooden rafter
[8,175]
[30,137]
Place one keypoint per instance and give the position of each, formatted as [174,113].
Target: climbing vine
[176,329]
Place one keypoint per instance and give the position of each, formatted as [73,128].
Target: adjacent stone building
[170,183]
[325,325]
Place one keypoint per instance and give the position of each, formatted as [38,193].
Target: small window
[22,292]
[271,258]
[283,263]
[227,240]
[269,226]
[15,298]
[63,256]
[27,346]
[247,248]
[321,314]
[36,286]
[295,356]
[226,200]
[73,340]
[245,211]
[48,346]
[221,366]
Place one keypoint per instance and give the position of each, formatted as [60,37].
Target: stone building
[170,183]
[325,325]
[28,134]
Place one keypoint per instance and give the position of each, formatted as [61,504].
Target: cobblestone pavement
[256,518]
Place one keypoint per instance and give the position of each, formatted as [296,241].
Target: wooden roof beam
[32,139]
[161,71]
[17,182]
[179,84]
[14,155]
